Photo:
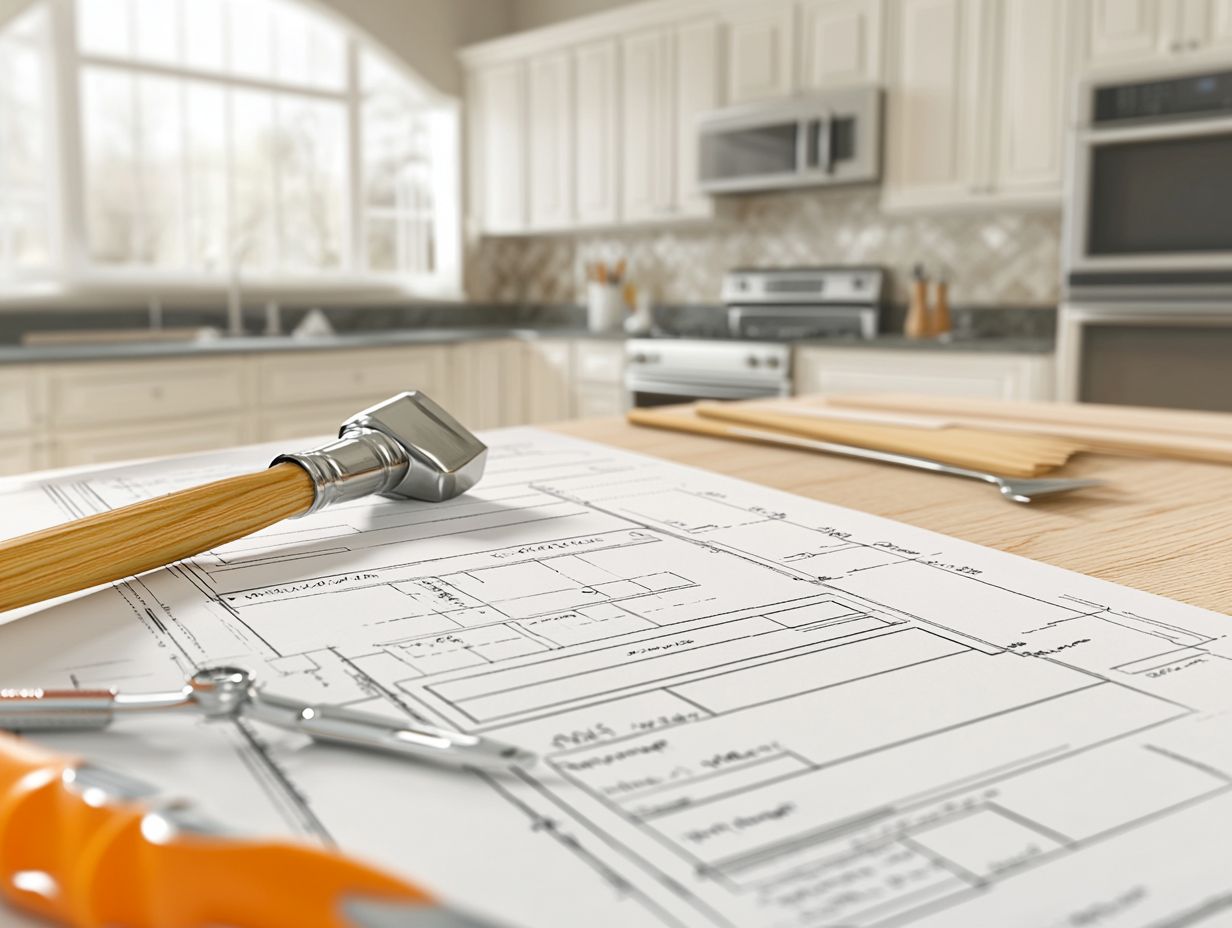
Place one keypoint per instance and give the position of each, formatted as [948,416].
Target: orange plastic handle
[68,857]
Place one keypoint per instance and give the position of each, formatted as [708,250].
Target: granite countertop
[31,354]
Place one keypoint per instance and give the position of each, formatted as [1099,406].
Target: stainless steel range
[747,354]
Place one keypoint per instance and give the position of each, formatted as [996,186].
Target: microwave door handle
[803,130]
[825,143]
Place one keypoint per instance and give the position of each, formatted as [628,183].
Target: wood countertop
[1160,526]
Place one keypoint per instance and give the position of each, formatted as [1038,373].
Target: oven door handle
[1099,135]
[708,390]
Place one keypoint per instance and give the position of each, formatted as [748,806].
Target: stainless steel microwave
[826,138]
[1150,200]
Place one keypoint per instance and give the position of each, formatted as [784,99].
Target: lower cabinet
[599,378]
[18,456]
[548,380]
[940,373]
[134,442]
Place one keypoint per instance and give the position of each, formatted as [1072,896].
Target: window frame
[72,269]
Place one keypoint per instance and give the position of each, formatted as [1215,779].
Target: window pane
[159,178]
[251,236]
[25,155]
[206,146]
[250,39]
[311,166]
[105,27]
[158,30]
[109,135]
[203,34]
[381,243]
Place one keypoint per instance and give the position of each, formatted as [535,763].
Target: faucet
[235,301]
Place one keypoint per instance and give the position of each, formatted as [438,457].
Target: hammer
[404,448]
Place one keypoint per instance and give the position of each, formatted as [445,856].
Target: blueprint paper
[752,709]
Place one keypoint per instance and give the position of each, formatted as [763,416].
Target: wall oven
[1150,208]
[1147,315]
[827,138]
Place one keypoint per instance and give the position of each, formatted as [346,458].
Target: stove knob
[772,363]
[753,361]
[640,358]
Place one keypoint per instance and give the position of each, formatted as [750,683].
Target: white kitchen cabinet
[696,91]
[942,373]
[978,102]
[550,127]
[647,189]
[20,399]
[296,424]
[1035,43]
[596,145]
[1122,33]
[599,378]
[760,50]
[548,380]
[488,384]
[497,147]
[933,99]
[97,446]
[115,392]
[362,377]
[18,456]
[840,43]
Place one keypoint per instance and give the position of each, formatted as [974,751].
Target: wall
[990,257]
[531,14]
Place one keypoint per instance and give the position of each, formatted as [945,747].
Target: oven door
[1151,206]
[1149,354]
[645,392]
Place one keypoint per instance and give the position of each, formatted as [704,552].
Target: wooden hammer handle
[125,542]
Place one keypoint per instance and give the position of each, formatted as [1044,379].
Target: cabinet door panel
[840,42]
[549,381]
[595,107]
[697,92]
[760,52]
[931,148]
[499,147]
[17,456]
[1035,91]
[644,100]
[549,121]
[1124,30]
[17,400]
[361,376]
[93,394]
[1010,377]
[1218,25]
[125,444]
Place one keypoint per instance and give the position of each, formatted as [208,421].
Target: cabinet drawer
[594,402]
[98,446]
[365,376]
[600,362]
[17,456]
[97,394]
[298,425]
[17,400]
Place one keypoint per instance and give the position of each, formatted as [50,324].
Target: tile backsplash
[991,258]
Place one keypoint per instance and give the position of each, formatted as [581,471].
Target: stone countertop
[387,338]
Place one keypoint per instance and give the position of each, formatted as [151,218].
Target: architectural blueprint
[751,709]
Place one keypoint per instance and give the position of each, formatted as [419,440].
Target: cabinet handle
[1194,45]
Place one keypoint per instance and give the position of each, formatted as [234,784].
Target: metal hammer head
[407,447]
[445,459]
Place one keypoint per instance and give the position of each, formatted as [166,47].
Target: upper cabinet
[1128,32]
[760,47]
[497,146]
[978,101]
[840,43]
[550,125]
[597,133]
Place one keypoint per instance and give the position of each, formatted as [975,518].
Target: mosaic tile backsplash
[991,258]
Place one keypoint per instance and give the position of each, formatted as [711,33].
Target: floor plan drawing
[751,709]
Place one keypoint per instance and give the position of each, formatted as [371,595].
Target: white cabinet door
[1034,100]
[549,118]
[548,380]
[987,376]
[70,449]
[17,456]
[1214,30]
[489,389]
[596,118]
[840,42]
[934,95]
[697,88]
[1124,31]
[647,177]
[760,51]
[498,148]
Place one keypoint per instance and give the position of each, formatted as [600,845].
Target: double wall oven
[1147,318]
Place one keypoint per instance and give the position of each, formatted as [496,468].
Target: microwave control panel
[1200,95]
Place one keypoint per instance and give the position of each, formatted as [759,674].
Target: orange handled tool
[89,848]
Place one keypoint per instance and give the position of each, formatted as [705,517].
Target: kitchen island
[1160,526]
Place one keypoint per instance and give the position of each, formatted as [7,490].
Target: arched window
[198,139]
